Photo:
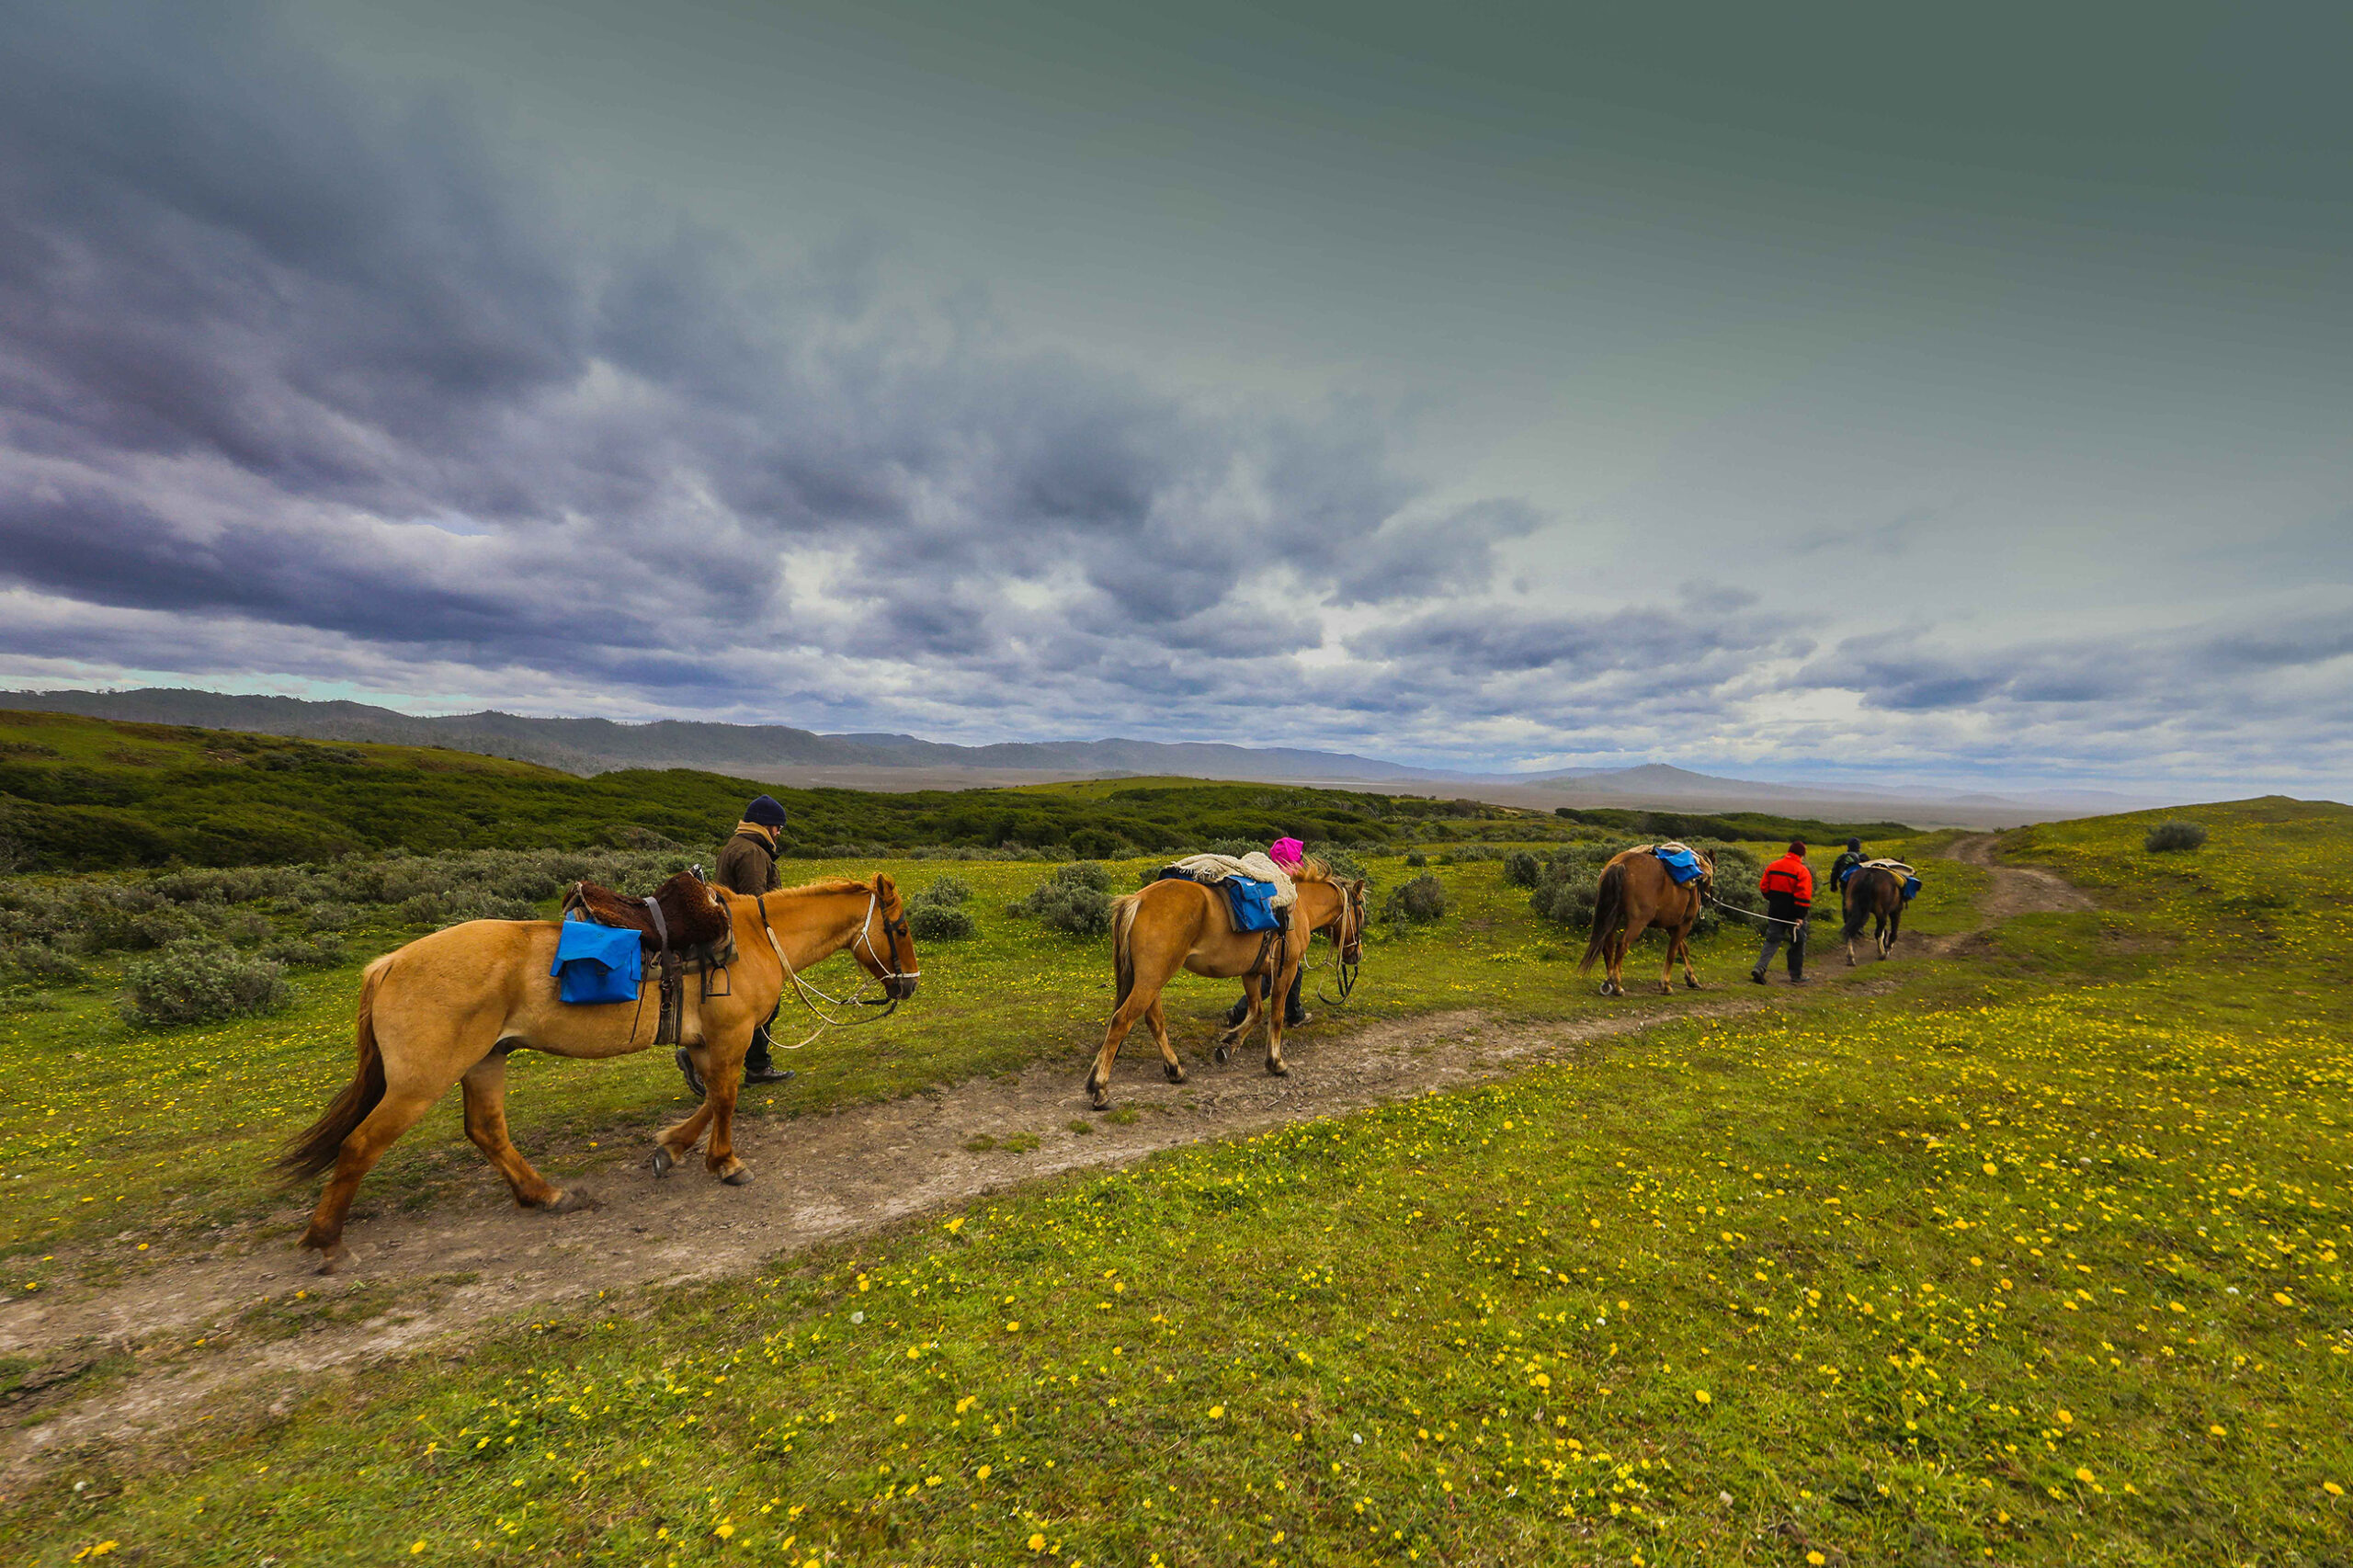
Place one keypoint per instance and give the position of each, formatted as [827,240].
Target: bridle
[1347,943]
[894,928]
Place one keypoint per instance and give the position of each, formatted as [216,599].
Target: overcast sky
[1954,394]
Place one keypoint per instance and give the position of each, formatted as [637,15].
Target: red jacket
[1787,875]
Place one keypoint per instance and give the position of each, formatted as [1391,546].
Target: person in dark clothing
[1287,853]
[1843,866]
[1788,887]
[747,865]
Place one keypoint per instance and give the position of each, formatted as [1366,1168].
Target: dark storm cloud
[277,350]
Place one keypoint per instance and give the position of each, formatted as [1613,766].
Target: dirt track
[465,1269]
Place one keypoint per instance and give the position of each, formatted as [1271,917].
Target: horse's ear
[883,886]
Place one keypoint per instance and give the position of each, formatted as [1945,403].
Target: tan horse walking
[1175,925]
[1635,894]
[1332,906]
[447,1009]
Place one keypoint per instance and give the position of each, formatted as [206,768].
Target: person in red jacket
[1788,887]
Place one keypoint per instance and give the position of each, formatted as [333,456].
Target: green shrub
[1076,899]
[941,922]
[1423,899]
[2174,836]
[951,891]
[330,918]
[1522,869]
[196,983]
[314,952]
[1415,860]
[49,964]
[438,909]
[1338,861]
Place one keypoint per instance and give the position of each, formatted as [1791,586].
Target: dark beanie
[1856,845]
[765,810]
[1797,846]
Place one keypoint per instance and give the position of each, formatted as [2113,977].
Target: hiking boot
[1758,975]
[686,1061]
[1296,1020]
[766,1073]
[1800,980]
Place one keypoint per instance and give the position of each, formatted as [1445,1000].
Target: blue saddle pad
[1681,864]
[597,963]
[1253,905]
[1911,886]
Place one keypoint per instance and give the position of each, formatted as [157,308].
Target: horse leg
[1251,991]
[1158,1024]
[1141,1000]
[1275,1010]
[1683,946]
[393,1115]
[485,1089]
[719,1159]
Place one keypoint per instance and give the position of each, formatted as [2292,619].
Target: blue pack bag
[1911,886]
[1682,865]
[597,963]
[1253,905]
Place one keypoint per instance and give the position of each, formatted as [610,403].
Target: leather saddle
[682,925]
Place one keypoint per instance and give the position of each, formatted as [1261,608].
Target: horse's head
[1351,932]
[1707,870]
[885,947]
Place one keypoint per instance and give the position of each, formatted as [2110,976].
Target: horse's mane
[831,884]
[1312,870]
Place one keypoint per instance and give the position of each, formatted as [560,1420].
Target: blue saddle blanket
[1681,864]
[1253,905]
[1911,886]
[597,963]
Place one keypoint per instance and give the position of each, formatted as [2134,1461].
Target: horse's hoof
[662,1162]
[1101,1100]
[573,1201]
[740,1176]
[1276,1069]
[1694,985]
[1221,1054]
[1175,1074]
[332,1260]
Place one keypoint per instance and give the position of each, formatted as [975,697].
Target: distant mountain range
[781,753]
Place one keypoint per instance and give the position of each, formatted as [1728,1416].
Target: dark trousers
[1293,1009]
[1777,935]
[756,1058]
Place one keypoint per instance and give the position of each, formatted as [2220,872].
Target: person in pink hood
[1289,854]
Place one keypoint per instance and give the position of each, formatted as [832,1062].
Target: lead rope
[804,990]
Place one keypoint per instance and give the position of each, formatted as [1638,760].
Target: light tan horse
[447,1009]
[1177,925]
[1635,894]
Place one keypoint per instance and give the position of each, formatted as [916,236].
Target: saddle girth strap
[669,1023]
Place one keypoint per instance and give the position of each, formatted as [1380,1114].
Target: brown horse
[1334,906]
[1176,925]
[1635,894]
[449,1007]
[1873,893]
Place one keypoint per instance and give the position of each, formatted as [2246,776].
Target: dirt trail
[475,1264]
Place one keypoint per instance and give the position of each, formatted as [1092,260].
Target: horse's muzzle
[898,987]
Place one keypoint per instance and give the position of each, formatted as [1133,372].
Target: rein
[857,998]
[1344,971]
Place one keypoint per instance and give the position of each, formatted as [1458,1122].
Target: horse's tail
[316,1149]
[1123,960]
[1609,910]
[1861,888]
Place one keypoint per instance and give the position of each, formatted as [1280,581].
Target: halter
[1350,930]
[802,989]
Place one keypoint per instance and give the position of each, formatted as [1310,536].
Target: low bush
[1421,900]
[312,952]
[438,909]
[952,890]
[1076,899]
[1522,869]
[1415,860]
[48,964]
[941,922]
[2168,836]
[1339,862]
[197,983]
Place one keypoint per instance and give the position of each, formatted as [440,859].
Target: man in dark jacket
[1788,887]
[747,865]
[1843,866]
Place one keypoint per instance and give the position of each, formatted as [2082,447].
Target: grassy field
[2036,1259]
